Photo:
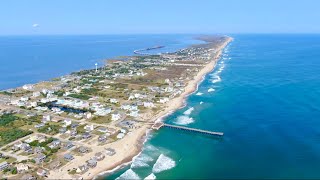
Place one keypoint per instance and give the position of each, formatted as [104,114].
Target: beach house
[41,172]
[22,168]
[99,156]
[40,158]
[4,165]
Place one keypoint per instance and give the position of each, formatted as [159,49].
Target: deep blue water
[266,101]
[30,59]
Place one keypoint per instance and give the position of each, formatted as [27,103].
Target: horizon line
[173,33]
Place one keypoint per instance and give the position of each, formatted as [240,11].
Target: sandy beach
[131,145]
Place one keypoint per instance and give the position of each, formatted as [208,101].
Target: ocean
[265,96]
[30,59]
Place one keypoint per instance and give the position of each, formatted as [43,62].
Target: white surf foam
[201,102]
[184,120]
[129,174]
[199,93]
[211,90]
[150,177]
[141,161]
[163,163]
[216,79]
[150,148]
[189,111]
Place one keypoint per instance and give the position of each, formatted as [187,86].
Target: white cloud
[35,25]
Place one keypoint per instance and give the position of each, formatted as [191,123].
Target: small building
[54,144]
[112,100]
[102,130]
[110,152]
[62,130]
[86,135]
[102,138]
[40,158]
[22,167]
[4,165]
[39,125]
[99,156]
[41,172]
[28,177]
[68,157]
[120,135]
[82,169]
[73,133]
[115,117]
[37,150]
[68,145]
[55,164]
[26,148]
[92,163]
[83,149]
[74,125]
[89,128]
[67,122]
[36,94]
[46,118]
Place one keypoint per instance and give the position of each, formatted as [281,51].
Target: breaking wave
[129,174]
[215,79]
[150,177]
[150,148]
[199,93]
[211,90]
[141,161]
[163,163]
[184,120]
[189,111]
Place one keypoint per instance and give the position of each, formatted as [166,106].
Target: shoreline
[175,104]
[131,146]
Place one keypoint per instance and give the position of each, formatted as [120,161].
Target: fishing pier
[159,125]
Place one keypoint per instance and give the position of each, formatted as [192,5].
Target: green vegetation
[6,93]
[91,91]
[101,119]
[7,118]
[59,93]
[42,144]
[80,96]
[50,129]
[9,135]
[14,170]
[80,129]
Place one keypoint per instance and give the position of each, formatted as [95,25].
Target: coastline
[174,104]
[131,146]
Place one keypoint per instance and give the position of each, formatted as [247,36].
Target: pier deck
[157,126]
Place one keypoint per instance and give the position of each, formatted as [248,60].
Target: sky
[41,17]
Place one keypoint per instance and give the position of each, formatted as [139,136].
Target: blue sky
[20,17]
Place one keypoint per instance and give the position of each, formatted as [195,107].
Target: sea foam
[211,90]
[199,93]
[184,120]
[216,79]
[129,174]
[141,161]
[163,163]
[189,111]
[150,177]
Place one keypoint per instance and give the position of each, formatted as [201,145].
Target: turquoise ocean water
[266,100]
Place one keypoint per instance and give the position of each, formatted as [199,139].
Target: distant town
[84,123]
